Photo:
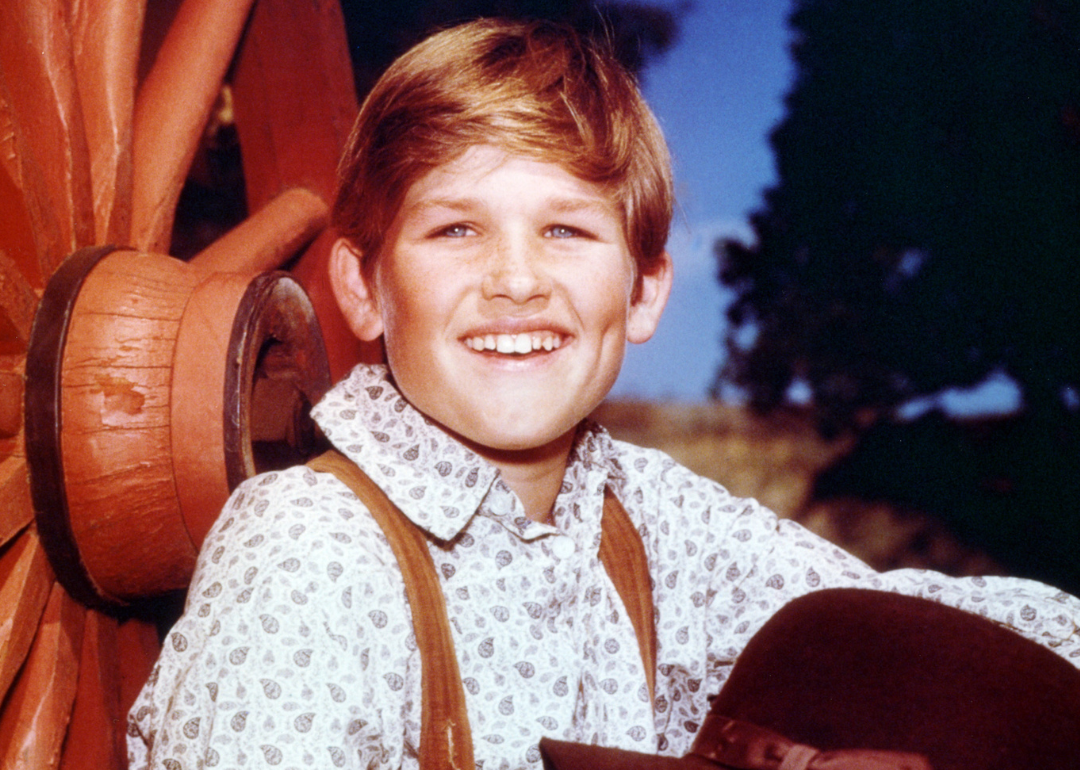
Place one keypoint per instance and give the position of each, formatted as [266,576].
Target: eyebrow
[573,205]
[558,205]
[455,204]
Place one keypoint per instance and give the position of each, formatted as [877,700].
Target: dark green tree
[380,30]
[925,234]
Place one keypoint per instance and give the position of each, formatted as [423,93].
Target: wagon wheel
[94,150]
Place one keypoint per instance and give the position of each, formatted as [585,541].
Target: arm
[783,560]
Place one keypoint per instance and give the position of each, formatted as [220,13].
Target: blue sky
[717,93]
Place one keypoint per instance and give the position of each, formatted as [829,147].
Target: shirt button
[563,547]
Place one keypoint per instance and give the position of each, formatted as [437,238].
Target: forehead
[487,174]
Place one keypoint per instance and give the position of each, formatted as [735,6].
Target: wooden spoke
[11,399]
[266,240]
[106,36]
[18,301]
[15,509]
[16,229]
[97,702]
[288,139]
[36,715]
[53,162]
[26,583]
[137,648]
[172,107]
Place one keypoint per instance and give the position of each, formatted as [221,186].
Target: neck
[535,475]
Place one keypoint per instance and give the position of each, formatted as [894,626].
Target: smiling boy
[503,206]
[505,294]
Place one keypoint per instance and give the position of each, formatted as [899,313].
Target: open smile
[516,344]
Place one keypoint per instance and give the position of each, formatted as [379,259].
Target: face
[504,295]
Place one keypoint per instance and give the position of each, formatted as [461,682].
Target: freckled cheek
[604,299]
[404,303]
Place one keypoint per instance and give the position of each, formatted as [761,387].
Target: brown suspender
[623,555]
[445,739]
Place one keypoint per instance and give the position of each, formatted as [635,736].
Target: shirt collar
[434,479]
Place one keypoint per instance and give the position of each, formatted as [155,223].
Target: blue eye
[561,231]
[459,230]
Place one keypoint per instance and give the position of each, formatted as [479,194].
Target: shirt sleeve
[295,646]
[776,560]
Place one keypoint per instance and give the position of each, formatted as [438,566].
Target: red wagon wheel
[111,355]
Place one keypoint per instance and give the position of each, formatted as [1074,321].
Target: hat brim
[563,755]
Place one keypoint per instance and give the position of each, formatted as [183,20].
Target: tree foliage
[926,228]
[381,30]
[924,233]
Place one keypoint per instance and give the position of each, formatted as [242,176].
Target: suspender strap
[445,739]
[623,555]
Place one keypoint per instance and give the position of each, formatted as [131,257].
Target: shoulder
[692,526]
[296,503]
[651,481]
[294,555]
[291,524]
[267,496]
[291,606]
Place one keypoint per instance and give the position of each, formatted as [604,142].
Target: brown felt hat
[849,669]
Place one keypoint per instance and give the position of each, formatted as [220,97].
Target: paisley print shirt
[296,646]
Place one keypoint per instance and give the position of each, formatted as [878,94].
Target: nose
[515,272]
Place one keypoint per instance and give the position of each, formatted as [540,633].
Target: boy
[503,206]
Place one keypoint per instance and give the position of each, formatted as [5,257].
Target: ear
[652,296]
[354,295]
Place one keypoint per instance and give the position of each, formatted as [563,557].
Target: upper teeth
[515,343]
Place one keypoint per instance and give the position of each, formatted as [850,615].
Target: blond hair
[535,89]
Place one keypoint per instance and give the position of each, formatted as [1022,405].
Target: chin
[521,441]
